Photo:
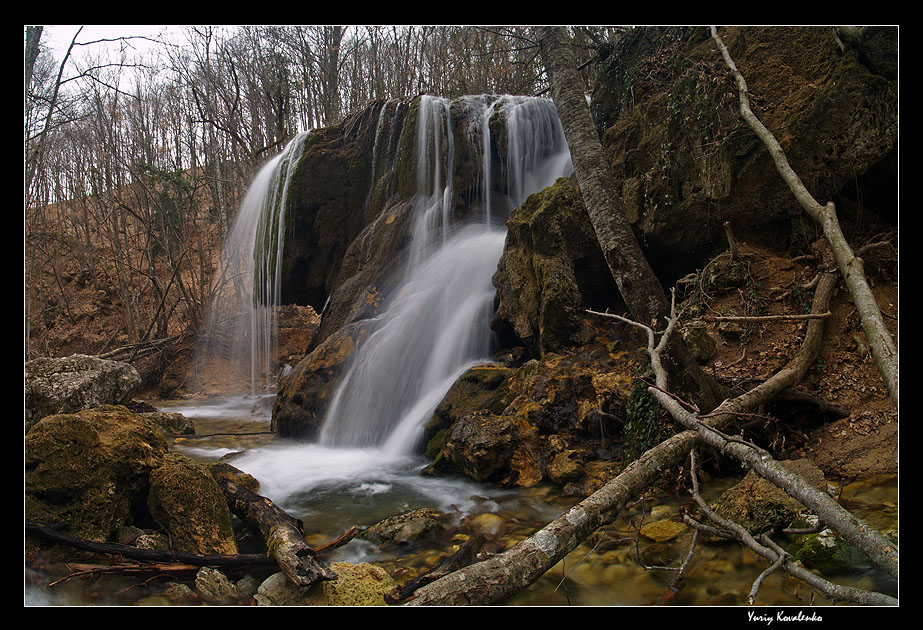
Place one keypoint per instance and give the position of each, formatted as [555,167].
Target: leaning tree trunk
[643,294]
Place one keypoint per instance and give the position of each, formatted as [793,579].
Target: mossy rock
[479,388]
[551,270]
[760,506]
[826,552]
[405,528]
[361,584]
[186,499]
[90,469]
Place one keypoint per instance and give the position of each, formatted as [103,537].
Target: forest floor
[857,438]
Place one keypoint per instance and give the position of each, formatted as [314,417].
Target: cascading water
[241,323]
[435,325]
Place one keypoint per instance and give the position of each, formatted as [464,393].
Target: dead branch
[156,569]
[338,542]
[881,551]
[732,242]
[766,318]
[851,267]
[282,533]
[777,556]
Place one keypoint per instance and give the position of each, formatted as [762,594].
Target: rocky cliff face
[668,113]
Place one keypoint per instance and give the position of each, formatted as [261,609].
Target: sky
[58,37]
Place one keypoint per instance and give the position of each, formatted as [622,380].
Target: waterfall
[241,324]
[436,324]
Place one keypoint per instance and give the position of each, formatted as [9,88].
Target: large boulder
[74,383]
[551,271]
[186,499]
[90,469]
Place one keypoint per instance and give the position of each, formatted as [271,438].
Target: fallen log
[283,534]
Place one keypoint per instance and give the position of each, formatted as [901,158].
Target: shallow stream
[333,489]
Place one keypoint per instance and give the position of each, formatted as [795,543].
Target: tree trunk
[643,294]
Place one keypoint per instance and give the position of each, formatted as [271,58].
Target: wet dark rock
[544,421]
[308,389]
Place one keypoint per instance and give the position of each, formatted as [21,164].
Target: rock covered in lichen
[90,469]
[551,270]
[185,499]
[74,383]
[216,589]
[361,584]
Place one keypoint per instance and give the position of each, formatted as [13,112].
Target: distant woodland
[135,163]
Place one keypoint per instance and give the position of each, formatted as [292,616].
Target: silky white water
[240,324]
[436,323]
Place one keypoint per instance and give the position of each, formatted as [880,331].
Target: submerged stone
[662,531]
[405,528]
[759,505]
